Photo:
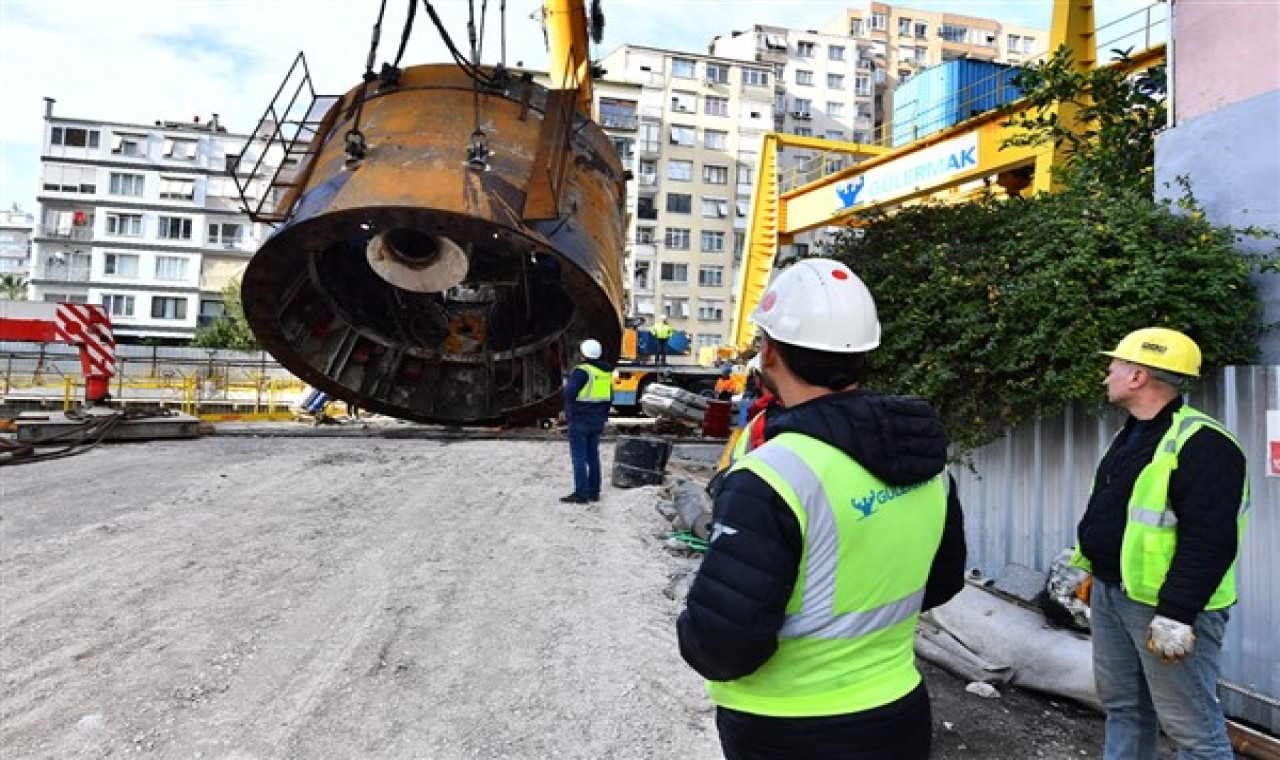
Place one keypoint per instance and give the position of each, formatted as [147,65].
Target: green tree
[231,329]
[13,287]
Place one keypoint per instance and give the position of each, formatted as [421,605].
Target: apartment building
[144,219]
[690,127]
[16,228]
[837,82]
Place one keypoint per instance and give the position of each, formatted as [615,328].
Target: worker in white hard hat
[827,542]
[1161,536]
[588,393]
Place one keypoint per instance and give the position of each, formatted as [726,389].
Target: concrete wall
[1226,133]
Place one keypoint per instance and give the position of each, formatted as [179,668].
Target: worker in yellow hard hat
[1160,535]
[827,542]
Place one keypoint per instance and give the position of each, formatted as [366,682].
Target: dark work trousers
[900,730]
[661,357]
[584,451]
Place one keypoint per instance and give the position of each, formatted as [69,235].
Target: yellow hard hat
[1160,348]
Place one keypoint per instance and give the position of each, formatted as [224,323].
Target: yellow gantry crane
[887,177]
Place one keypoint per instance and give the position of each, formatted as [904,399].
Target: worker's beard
[768,383]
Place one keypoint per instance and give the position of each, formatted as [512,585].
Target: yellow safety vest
[661,331]
[1151,533]
[846,642]
[599,387]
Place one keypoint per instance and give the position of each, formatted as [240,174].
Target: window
[225,234]
[120,264]
[174,228]
[175,189]
[857,27]
[804,76]
[710,276]
[70,179]
[835,52]
[862,85]
[741,207]
[682,134]
[683,68]
[835,81]
[805,49]
[684,102]
[802,106]
[680,171]
[164,307]
[118,305]
[74,137]
[834,134]
[645,208]
[835,110]
[617,114]
[646,235]
[124,225]
[715,106]
[879,21]
[676,308]
[717,73]
[708,340]
[182,149]
[739,243]
[922,29]
[127,184]
[1028,45]
[641,275]
[715,175]
[755,78]
[679,203]
[673,272]
[802,132]
[171,268]
[904,27]
[800,249]
[746,174]
[954,33]
[715,208]
[712,242]
[677,239]
[715,140]
[711,310]
[126,144]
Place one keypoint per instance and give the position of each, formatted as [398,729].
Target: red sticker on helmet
[839,274]
[770,299]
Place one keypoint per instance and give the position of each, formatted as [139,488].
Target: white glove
[1170,639]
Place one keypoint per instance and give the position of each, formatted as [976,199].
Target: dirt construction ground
[244,597]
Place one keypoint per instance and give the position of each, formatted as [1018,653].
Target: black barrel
[639,461]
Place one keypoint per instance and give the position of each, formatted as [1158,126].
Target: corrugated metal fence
[1026,493]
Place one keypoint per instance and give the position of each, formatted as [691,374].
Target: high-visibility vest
[662,331]
[599,387]
[1151,532]
[846,642]
[742,445]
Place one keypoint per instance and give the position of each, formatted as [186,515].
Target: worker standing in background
[662,333]
[1161,537]
[725,385]
[587,396]
[827,543]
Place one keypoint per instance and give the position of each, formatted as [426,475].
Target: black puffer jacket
[737,603]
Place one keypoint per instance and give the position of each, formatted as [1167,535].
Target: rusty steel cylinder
[444,273]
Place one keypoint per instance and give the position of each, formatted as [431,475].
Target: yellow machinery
[884,178]
[448,234]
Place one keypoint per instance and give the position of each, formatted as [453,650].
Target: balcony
[649,147]
[647,213]
[644,250]
[63,273]
[629,122]
[65,233]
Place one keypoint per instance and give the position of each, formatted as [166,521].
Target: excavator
[445,235]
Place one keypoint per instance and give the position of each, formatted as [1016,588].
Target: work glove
[1084,589]
[1170,639]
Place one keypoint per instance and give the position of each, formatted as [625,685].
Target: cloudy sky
[137,61]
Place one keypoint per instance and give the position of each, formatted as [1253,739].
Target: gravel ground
[370,598]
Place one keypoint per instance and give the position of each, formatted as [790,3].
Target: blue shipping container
[945,95]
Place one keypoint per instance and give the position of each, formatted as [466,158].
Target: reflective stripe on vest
[599,387]
[845,644]
[1150,536]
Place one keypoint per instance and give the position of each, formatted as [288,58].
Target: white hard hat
[819,304]
[590,348]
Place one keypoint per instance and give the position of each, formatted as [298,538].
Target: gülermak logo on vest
[910,172]
[877,497]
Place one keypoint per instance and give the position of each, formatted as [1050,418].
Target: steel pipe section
[416,283]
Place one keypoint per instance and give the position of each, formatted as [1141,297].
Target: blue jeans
[584,452]
[1141,694]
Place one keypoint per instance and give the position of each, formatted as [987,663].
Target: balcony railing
[65,233]
[615,121]
[63,273]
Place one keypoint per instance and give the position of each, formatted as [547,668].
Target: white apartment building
[690,128]
[16,228]
[836,82]
[144,219]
